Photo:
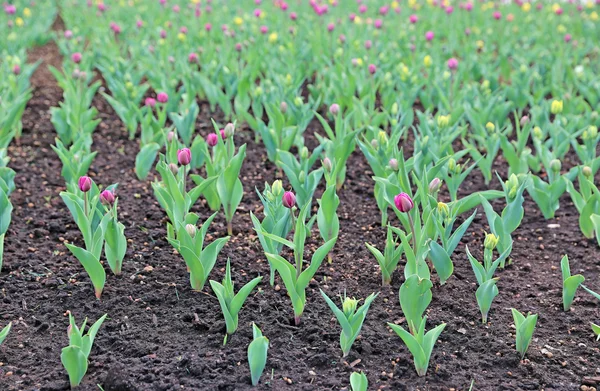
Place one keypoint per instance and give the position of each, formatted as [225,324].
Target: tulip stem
[229,228]
[412,229]
[85,204]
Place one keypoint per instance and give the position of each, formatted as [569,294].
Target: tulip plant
[415,296]
[95,214]
[525,328]
[277,219]
[257,354]
[294,276]
[388,261]
[484,273]
[570,283]
[4,332]
[189,242]
[230,302]
[351,318]
[75,356]
[359,381]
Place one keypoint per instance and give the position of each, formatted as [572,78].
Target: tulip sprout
[231,303]
[525,328]
[570,283]
[257,354]
[4,332]
[350,318]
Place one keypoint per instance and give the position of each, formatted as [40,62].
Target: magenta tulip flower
[107,197]
[212,139]
[162,97]
[184,156]
[289,199]
[429,35]
[85,183]
[403,202]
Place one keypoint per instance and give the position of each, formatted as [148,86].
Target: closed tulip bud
[451,165]
[403,202]
[490,127]
[593,132]
[327,164]
[349,306]
[375,143]
[394,109]
[174,169]
[191,229]
[304,153]
[302,177]
[490,242]
[555,165]
[443,210]
[283,107]
[443,121]
[298,101]
[162,97]
[289,199]
[184,156]
[170,136]
[587,171]
[76,57]
[382,138]
[393,163]
[229,130]
[212,139]
[524,120]
[556,107]
[435,185]
[537,132]
[107,197]
[277,188]
[334,109]
[85,184]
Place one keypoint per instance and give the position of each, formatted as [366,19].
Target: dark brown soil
[160,335]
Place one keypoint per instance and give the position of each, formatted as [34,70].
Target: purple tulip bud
[107,197]
[16,69]
[212,139]
[162,97]
[184,156]
[334,109]
[289,199]
[372,69]
[85,183]
[76,57]
[403,202]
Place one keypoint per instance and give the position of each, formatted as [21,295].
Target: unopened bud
[443,210]
[302,177]
[555,165]
[283,107]
[537,132]
[393,163]
[327,164]
[229,130]
[587,171]
[304,153]
[491,241]
[191,229]
[490,127]
[435,185]
[277,188]
[174,169]
[375,143]
[349,306]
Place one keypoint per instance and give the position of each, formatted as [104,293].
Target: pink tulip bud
[162,97]
[368,44]
[293,15]
[264,29]
[435,185]
[362,9]
[10,9]
[413,19]
[184,156]
[384,10]
[176,9]
[334,109]
[229,130]
[212,139]
[16,69]
[101,7]
[403,202]
[452,63]
[193,57]
[85,183]
[449,10]
[372,69]
[68,34]
[568,37]
[238,47]
[330,27]
[208,26]
[150,102]
[378,23]
[497,15]
[257,12]
[289,199]
[429,35]
[284,6]
[139,24]
[222,133]
[76,57]
[352,17]
[107,197]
